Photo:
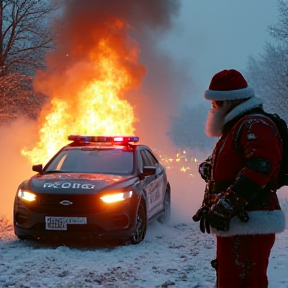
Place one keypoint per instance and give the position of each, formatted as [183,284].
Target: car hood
[76,183]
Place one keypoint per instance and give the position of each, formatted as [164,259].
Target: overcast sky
[213,35]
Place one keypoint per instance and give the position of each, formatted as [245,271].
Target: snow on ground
[177,256]
[174,256]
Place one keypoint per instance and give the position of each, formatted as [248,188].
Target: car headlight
[25,195]
[115,197]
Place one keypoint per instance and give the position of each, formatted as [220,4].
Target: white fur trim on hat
[260,222]
[243,93]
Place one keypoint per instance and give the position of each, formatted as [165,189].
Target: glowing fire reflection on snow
[183,161]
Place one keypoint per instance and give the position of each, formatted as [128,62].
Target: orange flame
[94,108]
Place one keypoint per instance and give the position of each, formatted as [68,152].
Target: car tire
[166,216]
[141,224]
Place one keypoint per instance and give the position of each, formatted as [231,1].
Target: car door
[153,184]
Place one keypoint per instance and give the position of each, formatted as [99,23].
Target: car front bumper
[114,220]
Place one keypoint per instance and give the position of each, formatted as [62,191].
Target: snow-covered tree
[24,40]
[24,35]
[268,74]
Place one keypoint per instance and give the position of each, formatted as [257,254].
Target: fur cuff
[260,222]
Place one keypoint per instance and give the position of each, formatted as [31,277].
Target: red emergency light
[105,139]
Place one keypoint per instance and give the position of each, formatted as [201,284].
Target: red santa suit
[244,138]
[245,165]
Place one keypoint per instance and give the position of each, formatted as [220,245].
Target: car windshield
[91,160]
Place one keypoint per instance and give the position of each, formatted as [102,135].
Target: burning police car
[95,187]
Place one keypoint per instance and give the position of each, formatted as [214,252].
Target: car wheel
[165,218]
[141,224]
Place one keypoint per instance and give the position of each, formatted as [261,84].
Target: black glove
[201,216]
[227,207]
[205,169]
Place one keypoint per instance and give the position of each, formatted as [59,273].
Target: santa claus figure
[240,204]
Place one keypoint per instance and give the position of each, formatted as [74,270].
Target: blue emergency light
[105,139]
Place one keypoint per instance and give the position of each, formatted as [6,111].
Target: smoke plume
[80,26]
[139,26]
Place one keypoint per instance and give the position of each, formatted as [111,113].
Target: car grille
[50,203]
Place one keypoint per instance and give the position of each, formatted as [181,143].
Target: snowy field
[177,256]
[174,256]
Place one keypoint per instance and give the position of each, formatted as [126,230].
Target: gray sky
[213,35]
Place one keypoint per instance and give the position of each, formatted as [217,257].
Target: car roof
[104,146]
[96,142]
[97,146]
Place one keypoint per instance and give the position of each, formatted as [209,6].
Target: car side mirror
[38,168]
[148,171]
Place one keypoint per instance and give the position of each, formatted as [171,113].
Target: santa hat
[228,85]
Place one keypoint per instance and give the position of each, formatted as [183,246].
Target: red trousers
[243,260]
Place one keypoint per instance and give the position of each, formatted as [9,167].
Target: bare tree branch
[25,26]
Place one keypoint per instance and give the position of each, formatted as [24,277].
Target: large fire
[95,108]
[92,101]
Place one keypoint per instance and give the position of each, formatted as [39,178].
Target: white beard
[215,121]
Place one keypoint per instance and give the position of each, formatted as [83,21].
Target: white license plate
[60,223]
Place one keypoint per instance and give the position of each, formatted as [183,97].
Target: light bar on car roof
[107,139]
